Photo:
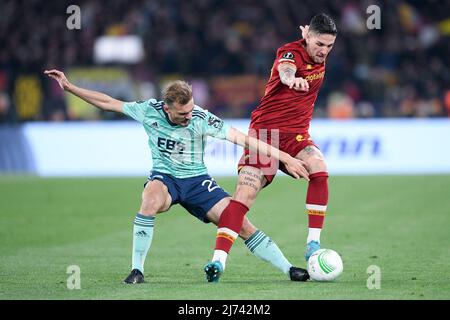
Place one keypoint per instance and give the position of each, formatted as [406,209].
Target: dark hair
[323,24]
[179,92]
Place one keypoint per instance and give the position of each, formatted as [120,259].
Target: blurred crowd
[399,70]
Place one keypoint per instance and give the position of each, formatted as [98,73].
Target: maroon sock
[317,199]
[230,224]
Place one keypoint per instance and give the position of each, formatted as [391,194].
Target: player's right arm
[97,99]
[287,70]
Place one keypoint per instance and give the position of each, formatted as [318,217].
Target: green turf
[399,223]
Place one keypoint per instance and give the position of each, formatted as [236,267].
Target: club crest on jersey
[215,122]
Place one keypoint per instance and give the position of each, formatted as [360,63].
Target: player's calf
[316,206]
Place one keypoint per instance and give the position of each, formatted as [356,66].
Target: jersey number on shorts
[210,184]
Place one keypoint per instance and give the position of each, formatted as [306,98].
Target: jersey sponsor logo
[168,146]
[315,76]
[154,125]
[215,122]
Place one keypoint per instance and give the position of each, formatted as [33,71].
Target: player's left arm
[295,166]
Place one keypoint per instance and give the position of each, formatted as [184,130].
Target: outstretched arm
[287,76]
[97,99]
[295,166]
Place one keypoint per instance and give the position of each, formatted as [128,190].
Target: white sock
[314,234]
[221,256]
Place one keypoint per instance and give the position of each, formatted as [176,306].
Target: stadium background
[386,97]
[226,49]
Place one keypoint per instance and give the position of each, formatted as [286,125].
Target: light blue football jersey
[175,149]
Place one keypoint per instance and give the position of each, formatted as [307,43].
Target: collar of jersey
[168,120]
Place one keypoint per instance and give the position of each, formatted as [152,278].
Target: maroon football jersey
[286,109]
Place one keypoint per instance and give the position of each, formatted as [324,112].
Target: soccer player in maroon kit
[282,119]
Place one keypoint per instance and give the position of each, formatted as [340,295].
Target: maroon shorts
[291,143]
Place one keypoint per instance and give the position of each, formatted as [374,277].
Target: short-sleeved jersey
[176,150]
[286,109]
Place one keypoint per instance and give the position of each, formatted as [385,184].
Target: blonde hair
[179,92]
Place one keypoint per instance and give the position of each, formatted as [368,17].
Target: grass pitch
[399,223]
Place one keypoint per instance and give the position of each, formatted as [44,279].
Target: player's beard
[319,59]
[185,123]
[315,57]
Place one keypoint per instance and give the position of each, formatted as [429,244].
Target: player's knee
[150,206]
[245,194]
[317,164]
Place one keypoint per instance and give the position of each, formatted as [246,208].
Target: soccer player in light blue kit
[177,130]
